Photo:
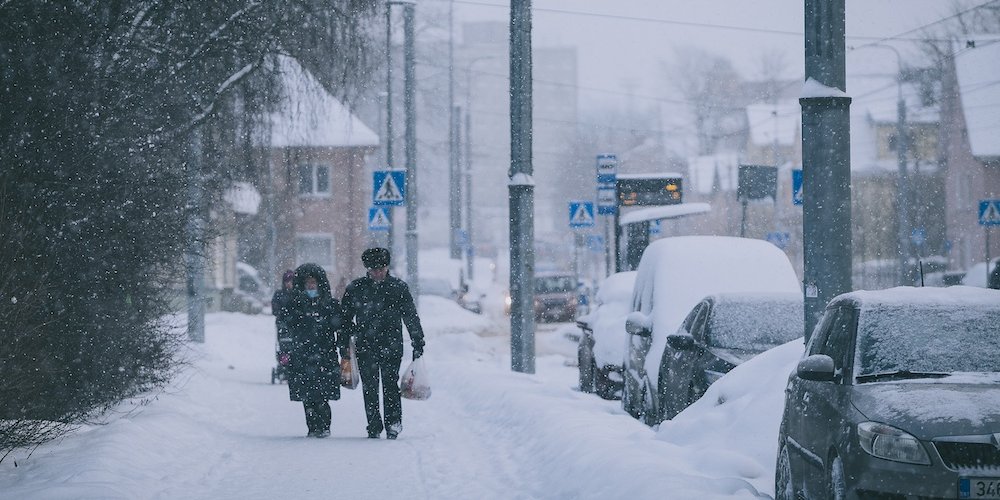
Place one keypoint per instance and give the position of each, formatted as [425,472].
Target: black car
[719,333]
[897,397]
[555,297]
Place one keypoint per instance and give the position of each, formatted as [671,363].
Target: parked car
[251,295]
[555,297]
[674,274]
[897,396]
[602,341]
[438,287]
[719,333]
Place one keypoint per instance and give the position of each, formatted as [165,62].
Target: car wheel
[836,482]
[649,414]
[696,389]
[784,487]
[585,364]
[602,384]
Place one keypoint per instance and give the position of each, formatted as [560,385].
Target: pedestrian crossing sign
[378,219]
[389,188]
[581,214]
[989,212]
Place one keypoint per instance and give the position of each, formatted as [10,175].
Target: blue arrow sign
[581,214]
[378,219]
[797,187]
[989,212]
[389,188]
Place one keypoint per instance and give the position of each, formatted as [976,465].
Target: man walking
[375,307]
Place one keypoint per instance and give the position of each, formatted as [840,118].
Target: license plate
[979,487]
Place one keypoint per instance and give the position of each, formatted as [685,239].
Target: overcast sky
[622,44]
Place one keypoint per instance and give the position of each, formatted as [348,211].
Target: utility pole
[196,242]
[470,252]
[903,186]
[454,174]
[409,109]
[521,188]
[826,162]
[388,111]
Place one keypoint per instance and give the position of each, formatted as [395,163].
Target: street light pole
[470,250]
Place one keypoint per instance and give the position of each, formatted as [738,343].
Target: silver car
[897,397]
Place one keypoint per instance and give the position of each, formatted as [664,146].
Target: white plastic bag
[415,382]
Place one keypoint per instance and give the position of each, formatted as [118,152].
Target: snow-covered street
[224,431]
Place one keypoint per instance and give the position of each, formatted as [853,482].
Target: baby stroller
[282,350]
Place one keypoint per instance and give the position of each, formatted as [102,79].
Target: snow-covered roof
[779,121]
[875,101]
[243,197]
[978,72]
[664,212]
[308,116]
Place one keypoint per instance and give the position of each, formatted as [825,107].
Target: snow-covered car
[897,396]
[602,342]
[721,332]
[674,274]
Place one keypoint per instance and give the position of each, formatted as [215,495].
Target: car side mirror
[680,342]
[818,367]
[637,328]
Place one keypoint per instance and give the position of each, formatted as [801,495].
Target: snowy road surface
[224,431]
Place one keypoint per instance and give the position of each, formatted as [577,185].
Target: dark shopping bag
[349,375]
[415,382]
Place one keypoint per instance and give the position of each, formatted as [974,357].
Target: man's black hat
[375,257]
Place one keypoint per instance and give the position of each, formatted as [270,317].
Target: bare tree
[713,90]
[100,99]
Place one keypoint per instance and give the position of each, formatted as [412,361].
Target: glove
[417,352]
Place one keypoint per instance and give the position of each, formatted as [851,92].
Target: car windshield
[554,284]
[928,339]
[755,326]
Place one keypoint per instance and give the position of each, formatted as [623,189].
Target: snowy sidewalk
[223,431]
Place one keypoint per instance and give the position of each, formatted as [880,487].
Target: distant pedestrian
[279,308]
[313,320]
[375,308]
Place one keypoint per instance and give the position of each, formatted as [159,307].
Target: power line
[686,23]
[928,25]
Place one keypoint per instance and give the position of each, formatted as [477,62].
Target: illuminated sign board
[640,191]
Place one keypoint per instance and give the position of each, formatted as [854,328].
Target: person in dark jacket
[279,308]
[313,321]
[375,308]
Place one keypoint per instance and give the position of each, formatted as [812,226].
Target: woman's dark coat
[313,324]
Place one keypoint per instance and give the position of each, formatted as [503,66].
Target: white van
[674,274]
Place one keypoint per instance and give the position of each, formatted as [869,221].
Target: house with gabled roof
[971,142]
[317,178]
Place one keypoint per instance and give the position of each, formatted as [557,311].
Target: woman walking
[313,321]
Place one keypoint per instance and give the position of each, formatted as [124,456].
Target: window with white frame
[314,248]
[314,179]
